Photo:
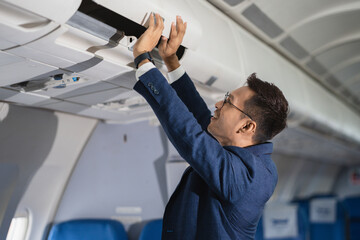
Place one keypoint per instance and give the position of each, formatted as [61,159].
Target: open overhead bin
[92,41]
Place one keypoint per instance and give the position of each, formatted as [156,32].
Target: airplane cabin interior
[83,156]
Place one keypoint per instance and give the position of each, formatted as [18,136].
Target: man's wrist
[138,53]
[143,62]
[144,68]
[143,57]
[172,63]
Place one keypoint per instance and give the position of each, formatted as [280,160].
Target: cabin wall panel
[121,175]
[38,150]
[26,138]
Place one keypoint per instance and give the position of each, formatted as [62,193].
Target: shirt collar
[261,149]
[258,149]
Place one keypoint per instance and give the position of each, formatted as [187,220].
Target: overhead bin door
[18,26]
[140,10]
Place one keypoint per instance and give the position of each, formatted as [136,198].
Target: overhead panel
[139,12]
[19,26]
[58,47]
[316,67]
[289,13]
[73,91]
[321,30]
[99,97]
[294,48]
[348,72]
[333,81]
[65,106]
[330,58]
[94,27]
[9,95]
[11,64]
[233,2]
[320,37]
[56,10]
[262,21]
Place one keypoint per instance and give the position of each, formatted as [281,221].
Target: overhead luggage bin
[140,11]
[68,48]
[58,11]
[24,21]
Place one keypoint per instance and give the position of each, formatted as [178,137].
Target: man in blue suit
[231,174]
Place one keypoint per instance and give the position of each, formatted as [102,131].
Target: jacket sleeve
[188,94]
[225,173]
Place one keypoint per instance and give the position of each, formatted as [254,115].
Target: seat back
[281,221]
[152,230]
[352,209]
[88,229]
[327,219]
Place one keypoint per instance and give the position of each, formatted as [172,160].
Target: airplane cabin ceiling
[83,65]
[322,37]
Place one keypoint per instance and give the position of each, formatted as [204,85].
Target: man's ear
[248,127]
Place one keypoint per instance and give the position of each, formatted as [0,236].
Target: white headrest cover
[323,210]
[280,221]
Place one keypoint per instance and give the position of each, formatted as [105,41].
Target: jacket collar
[258,149]
[261,149]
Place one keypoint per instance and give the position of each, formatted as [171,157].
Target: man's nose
[219,104]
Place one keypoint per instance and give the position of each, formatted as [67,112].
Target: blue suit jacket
[223,192]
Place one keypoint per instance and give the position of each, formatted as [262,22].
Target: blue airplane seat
[327,218]
[88,229]
[282,222]
[303,205]
[152,230]
[352,209]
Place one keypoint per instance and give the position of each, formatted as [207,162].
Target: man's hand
[167,49]
[150,37]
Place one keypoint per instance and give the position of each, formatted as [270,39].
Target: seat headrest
[89,229]
[323,210]
[152,230]
[280,221]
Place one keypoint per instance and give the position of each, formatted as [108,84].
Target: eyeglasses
[227,100]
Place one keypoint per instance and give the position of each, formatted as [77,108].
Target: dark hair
[268,108]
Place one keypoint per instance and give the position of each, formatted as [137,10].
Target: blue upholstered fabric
[330,231]
[88,229]
[352,208]
[324,231]
[152,230]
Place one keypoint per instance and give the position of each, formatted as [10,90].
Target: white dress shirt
[173,75]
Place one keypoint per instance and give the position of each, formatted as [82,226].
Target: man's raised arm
[181,82]
[215,165]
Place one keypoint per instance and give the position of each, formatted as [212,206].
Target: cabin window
[18,228]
